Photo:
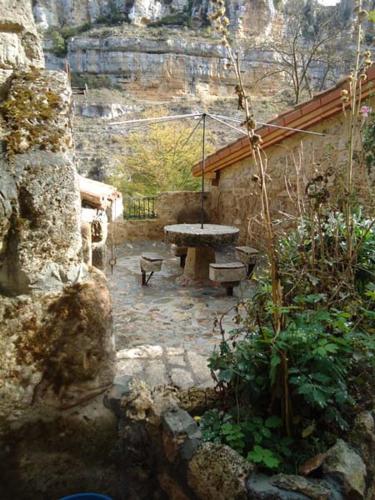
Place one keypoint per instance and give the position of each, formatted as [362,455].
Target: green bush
[59,46]
[60,37]
[92,81]
[178,19]
[319,368]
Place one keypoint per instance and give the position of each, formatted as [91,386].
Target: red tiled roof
[303,116]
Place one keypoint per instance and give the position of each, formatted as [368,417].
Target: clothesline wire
[219,118]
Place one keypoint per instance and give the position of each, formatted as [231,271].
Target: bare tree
[310,52]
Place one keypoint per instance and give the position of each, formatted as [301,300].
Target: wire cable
[272,126]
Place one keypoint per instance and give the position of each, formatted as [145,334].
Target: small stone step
[246,253]
[150,263]
[229,274]
[248,256]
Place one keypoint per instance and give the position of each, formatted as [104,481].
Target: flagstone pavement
[164,332]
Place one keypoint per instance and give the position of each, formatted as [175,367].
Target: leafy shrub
[163,162]
[60,37]
[59,47]
[92,81]
[318,369]
[257,438]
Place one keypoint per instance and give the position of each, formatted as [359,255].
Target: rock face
[56,348]
[54,13]
[41,238]
[144,53]
[55,333]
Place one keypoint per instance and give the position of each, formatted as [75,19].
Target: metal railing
[140,207]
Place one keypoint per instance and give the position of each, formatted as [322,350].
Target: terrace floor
[164,332]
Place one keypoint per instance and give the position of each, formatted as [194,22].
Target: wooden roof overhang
[97,194]
[303,116]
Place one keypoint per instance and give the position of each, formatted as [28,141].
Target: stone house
[293,158]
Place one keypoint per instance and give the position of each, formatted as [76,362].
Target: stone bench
[247,256]
[228,274]
[150,263]
[180,252]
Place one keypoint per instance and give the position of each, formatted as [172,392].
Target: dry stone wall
[171,208]
[164,452]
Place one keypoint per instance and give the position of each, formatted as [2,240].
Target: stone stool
[247,256]
[228,274]
[180,252]
[150,263]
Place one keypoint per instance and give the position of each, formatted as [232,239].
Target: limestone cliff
[136,54]
[245,16]
[152,47]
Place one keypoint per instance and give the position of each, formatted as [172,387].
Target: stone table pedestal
[198,261]
[201,243]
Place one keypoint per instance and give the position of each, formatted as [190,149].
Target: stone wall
[290,165]
[171,208]
[56,348]
[55,312]
[19,41]
[164,453]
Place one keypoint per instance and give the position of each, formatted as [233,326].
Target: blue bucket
[86,496]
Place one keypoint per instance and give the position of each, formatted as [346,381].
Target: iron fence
[140,207]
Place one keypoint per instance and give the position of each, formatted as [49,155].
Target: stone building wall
[235,200]
[171,208]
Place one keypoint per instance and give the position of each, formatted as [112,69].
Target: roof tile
[304,115]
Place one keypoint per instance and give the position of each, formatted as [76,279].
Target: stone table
[201,243]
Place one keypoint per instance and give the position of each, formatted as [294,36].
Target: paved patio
[164,332]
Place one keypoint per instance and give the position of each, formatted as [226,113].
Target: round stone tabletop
[192,235]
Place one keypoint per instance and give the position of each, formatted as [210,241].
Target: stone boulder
[217,472]
[342,463]
[362,438]
[290,487]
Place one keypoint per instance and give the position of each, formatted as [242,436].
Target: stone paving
[164,332]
